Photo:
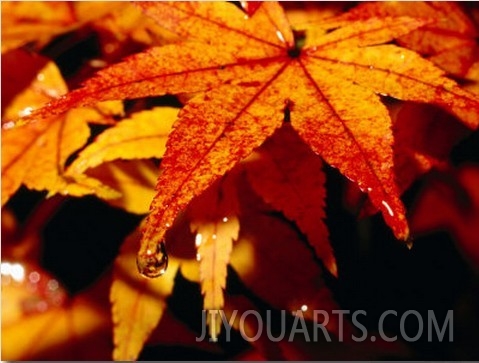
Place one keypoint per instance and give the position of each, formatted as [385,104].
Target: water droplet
[280,36]
[34,277]
[225,219]
[98,63]
[198,257]
[53,285]
[304,307]
[13,270]
[214,236]
[389,209]
[8,125]
[153,264]
[409,242]
[198,239]
[25,112]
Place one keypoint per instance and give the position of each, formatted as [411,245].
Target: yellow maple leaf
[137,303]
[141,136]
[36,154]
[213,217]
[134,179]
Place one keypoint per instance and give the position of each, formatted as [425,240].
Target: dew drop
[25,112]
[34,277]
[198,239]
[409,242]
[153,264]
[53,285]
[8,125]
[389,209]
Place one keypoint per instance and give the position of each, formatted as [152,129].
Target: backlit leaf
[134,180]
[268,246]
[289,176]
[213,217]
[24,22]
[36,154]
[449,41]
[252,75]
[137,303]
[450,202]
[141,136]
[126,30]
[424,138]
[40,322]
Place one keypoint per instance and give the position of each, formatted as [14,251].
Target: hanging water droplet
[409,242]
[198,239]
[153,264]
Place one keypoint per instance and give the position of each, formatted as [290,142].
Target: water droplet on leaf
[409,242]
[388,208]
[153,264]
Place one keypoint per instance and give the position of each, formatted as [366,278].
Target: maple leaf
[41,322]
[449,42]
[24,22]
[289,176]
[424,138]
[137,303]
[127,30]
[252,75]
[269,246]
[135,180]
[35,154]
[450,202]
[142,136]
[213,217]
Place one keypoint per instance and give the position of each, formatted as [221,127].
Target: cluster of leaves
[381,92]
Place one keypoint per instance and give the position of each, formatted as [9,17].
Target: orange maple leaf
[289,176]
[38,22]
[449,42]
[36,154]
[252,75]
